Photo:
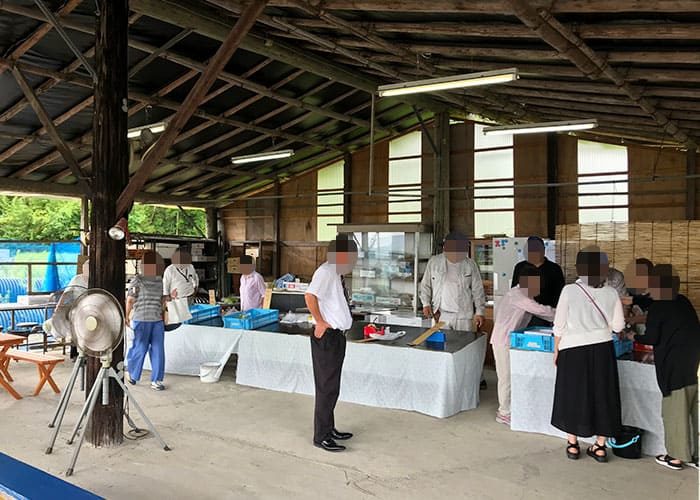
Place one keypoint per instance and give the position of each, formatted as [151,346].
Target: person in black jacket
[551,276]
[673,329]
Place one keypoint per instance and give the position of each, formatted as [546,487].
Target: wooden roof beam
[60,143]
[588,62]
[158,151]
[39,33]
[230,78]
[503,6]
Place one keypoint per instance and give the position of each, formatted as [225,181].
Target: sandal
[573,450]
[667,461]
[592,452]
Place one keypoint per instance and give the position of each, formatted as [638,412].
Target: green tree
[34,219]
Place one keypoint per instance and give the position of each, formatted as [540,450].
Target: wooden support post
[691,166]
[441,179]
[552,174]
[212,228]
[277,256]
[110,174]
[48,124]
[84,224]
[194,98]
[347,187]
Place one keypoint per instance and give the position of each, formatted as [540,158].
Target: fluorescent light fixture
[449,82]
[272,155]
[537,128]
[155,128]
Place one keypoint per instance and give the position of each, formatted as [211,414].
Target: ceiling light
[536,128]
[449,82]
[155,128]
[272,155]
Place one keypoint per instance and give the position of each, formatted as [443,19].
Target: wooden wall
[301,254]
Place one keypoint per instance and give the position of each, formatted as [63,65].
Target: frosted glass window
[329,200]
[486,223]
[482,141]
[493,184]
[405,171]
[603,191]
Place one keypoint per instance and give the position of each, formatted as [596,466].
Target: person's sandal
[592,452]
[573,450]
[667,461]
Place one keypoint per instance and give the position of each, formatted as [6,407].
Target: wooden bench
[44,363]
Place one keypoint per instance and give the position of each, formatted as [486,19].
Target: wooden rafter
[189,107]
[589,62]
[51,130]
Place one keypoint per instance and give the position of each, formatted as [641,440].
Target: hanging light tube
[155,128]
[449,82]
[537,128]
[272,155]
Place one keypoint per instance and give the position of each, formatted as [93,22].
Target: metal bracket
[62,33]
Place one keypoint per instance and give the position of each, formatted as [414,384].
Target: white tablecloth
[188,346]
[439,384]
[532,387]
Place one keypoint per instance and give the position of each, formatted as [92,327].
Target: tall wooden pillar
[691,168]
[347,187]
[110,170]
[212,224]
[441,180]
[84,224]
[552,175]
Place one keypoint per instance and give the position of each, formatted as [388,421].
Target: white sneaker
[502,419]
[157,386]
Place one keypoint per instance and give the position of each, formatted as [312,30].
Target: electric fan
[96,322]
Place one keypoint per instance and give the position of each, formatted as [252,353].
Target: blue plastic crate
[436,341]
[622,347]
[252,319]
[203,312]
[532,341]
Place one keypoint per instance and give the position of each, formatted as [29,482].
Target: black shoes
[340,436]
[329,445]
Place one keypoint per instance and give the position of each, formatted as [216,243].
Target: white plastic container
[209,372]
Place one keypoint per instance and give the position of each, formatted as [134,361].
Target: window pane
[494,223]
[324,231]
[482,141]
[603,200]
[595,157]
[589,215]
[493,165]
[493,203]
[331,177]
[404,171]
[404,218]
[406,145]
[621,186]
[404,206]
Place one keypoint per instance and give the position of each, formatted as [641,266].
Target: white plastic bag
[178,311]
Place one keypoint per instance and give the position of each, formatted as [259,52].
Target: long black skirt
[587,391]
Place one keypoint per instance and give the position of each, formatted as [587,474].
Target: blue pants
[149,338]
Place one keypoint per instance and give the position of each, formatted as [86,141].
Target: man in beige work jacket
[451,290]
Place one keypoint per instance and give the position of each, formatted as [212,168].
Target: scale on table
[95,320]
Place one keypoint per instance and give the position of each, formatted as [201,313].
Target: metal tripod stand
[57,420]
[100,388]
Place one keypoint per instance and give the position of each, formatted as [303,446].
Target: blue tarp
[46,278]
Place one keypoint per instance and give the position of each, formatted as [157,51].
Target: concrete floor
[230,441]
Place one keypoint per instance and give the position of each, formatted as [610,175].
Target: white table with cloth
[436,383]
[188,346]
[532,395]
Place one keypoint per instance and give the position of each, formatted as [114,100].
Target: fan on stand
[96,322]
[59,326]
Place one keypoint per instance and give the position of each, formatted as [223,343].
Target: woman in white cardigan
[587,393]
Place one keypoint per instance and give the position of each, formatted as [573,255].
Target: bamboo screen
[674,242]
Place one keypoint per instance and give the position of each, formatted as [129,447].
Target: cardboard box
[233,265]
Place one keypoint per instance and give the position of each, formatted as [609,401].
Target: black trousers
[327,354]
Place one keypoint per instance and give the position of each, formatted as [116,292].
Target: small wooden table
[6,342]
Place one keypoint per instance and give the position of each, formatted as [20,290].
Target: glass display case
[391,262]
[481,251]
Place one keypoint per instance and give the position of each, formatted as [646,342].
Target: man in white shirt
[451,290]
[252,285]
[180,280]
[327,302]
